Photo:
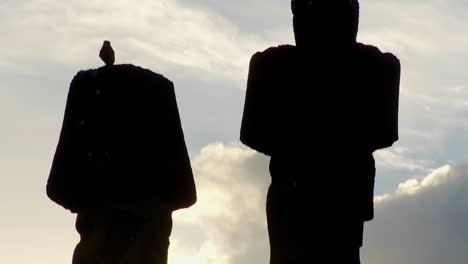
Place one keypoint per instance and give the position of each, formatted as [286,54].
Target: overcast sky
[204,47]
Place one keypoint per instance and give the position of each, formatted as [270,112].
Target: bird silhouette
[107,53]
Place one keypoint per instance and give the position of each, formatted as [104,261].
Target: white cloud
[149,32]
[413,186]
[422,222]
[229,219]
[398,158]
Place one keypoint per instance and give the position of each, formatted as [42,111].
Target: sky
[204,47]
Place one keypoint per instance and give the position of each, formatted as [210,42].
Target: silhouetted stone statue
[122,164]
[320,109]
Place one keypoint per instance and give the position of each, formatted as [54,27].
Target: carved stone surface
[121,141]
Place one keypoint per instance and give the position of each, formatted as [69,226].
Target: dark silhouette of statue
[320,109]
[122,165]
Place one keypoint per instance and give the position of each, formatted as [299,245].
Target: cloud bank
[423,221]
[228,223]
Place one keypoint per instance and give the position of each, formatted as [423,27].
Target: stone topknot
[302,5]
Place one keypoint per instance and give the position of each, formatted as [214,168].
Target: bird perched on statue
[107,53]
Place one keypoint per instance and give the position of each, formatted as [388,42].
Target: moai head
[331,23]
